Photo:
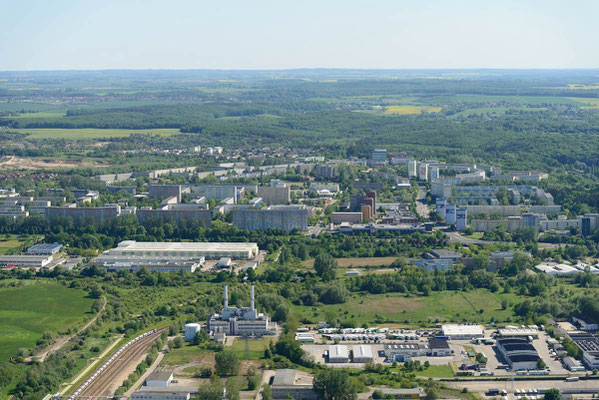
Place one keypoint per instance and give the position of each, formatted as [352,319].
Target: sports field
[405,110]
[28,311]
[90,133]
[474,306]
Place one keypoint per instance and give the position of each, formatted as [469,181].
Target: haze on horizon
[270,34]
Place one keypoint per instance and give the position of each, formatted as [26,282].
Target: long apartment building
[281,217]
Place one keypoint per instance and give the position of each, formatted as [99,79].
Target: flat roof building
[338,353]
[25,261]
[455,331]
[362,353]
[292,383]
[45,248]
[519,353]
[209,250]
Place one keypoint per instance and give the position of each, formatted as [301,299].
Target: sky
[286,34]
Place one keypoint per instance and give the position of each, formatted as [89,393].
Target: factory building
[244,321]
[519,353]
[588,346]
[287,218]
[209,250]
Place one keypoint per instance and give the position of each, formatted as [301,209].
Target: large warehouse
[518,353]
[338,353]
[461,331]
[362,353]
[208,250]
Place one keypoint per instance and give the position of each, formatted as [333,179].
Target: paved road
[512,386]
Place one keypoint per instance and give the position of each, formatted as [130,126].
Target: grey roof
[160,376]
[284,377]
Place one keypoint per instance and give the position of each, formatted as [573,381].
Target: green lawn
[256,347]
[437,371]
[90,133]
[8,243]
[414,311]
[28,311]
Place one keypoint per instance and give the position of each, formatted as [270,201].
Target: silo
[191,330]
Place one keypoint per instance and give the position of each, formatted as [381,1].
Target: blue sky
[255,34]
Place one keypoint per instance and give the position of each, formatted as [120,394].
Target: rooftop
[131,245]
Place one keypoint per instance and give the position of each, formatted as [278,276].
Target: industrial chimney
[226,302]
[252,305]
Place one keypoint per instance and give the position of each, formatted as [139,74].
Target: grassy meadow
[26,312]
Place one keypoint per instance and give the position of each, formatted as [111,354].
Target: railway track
[102,380]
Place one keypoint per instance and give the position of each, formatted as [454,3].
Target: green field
[414,311]
[256,348]
[8,243]
[90,133]
[28,311]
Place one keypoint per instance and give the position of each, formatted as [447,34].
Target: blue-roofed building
[45,248]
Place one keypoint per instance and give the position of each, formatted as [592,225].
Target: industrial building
[153,393]
[362,353]
[159,378]
[584,323]
[338,353]
[28,261]
[518,353]
[291,383]
[403,394]
[191,330]
[244,321]
[404,351]
[45,248]
[588,346]
[461,331]
[286,218]
[209,250]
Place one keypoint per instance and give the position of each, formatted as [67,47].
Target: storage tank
[191,330]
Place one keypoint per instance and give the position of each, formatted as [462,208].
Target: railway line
[101,382]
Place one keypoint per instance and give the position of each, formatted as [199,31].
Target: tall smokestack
[252,297]
[226,302]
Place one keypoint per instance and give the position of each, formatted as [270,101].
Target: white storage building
[460,331]
[362,353]
[338,353]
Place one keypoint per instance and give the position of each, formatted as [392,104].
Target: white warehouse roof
[461,330]
[338,351]
[228,248]
[362,351]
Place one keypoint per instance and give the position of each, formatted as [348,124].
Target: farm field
[28,311]
[90,133]
[587,102]
[474,306]
[406,110]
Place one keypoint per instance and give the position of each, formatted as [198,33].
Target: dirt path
[61,341]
